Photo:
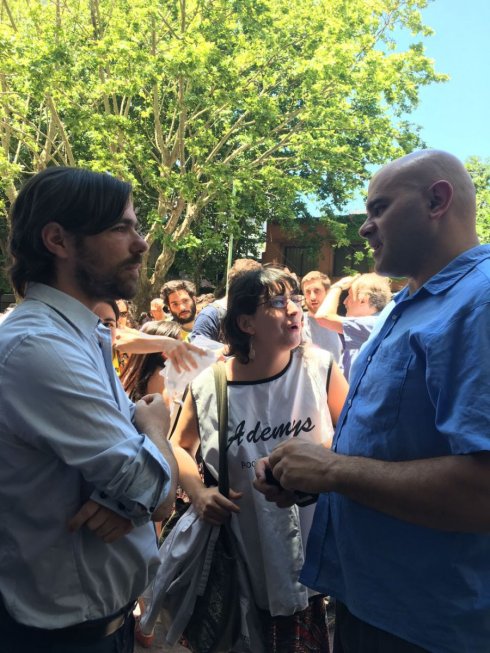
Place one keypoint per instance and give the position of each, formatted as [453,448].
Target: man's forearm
[330,304]
[141,343]
[164,509]
[449,493]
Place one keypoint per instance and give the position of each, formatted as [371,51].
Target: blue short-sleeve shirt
[419,389]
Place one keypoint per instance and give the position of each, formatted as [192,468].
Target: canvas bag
[202,589]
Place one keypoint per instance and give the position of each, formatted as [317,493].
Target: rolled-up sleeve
[57,399]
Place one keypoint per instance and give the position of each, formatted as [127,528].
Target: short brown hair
[315,275]
[241,265]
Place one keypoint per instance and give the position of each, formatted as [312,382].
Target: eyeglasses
[281,301]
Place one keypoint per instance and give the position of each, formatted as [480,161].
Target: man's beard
[103,285]
[189,318]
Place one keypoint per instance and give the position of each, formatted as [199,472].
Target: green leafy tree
[479,170]
[216,108]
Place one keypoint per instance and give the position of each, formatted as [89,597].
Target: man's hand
[106,524]
[300,465]
[152,416]
[346,282]
[278,495]
[213,507]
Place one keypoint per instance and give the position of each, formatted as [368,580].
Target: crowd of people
[372,405]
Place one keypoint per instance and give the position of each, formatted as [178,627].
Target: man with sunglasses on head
[83,471]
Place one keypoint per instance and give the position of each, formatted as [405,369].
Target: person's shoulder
[203,382]
[37,337]
[209,312]
[483,270]
[312,354]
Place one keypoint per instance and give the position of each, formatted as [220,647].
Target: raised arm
[182,354]
[327,315]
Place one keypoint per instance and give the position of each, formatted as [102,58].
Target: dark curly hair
[244,295]
[84,203]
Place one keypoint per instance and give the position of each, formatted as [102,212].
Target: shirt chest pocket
[380,390]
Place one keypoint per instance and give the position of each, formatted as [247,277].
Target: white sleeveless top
[261,415]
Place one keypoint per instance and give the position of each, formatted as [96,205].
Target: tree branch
[54,113]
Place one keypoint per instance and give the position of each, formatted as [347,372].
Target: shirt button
[394,317]
[369,359]
[350,402]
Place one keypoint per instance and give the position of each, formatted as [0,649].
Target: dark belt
[84,632]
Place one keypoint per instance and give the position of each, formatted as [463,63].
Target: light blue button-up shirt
[66,436]
[420,388]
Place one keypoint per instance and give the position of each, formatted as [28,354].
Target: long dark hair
[84,203]
[244,294]
[140,367]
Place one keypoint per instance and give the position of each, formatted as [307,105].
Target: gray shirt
[66,436]
[321,337]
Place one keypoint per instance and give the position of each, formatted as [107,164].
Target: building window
[300,259]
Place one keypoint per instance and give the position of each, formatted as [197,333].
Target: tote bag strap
[222,406]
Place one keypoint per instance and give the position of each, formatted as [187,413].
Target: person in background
[83,471]
[401,535]
[156,309]
[315,286]
[209,320]
[108,313]
[203,300]
[179,297]
[124,319]
[142,374]
[368,294]
[278,389]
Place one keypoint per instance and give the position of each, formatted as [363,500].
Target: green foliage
[222,113]
[479,170]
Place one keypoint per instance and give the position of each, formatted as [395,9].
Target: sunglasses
[281,301]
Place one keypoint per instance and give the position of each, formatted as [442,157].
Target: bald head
[421,215]
[424,169]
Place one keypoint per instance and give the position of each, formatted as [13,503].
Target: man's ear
[246,323]
[440,197]
[55,239]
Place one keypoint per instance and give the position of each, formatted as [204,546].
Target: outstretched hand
[182,354]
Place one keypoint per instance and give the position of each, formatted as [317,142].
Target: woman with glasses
[278,388]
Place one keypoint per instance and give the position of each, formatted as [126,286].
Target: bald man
[401,535]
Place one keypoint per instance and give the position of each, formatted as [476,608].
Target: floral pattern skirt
[303,632]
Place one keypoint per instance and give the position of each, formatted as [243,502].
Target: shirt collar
[451,274]
[70,308]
